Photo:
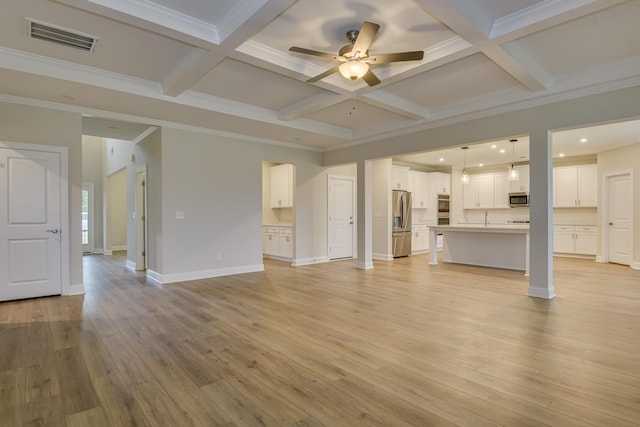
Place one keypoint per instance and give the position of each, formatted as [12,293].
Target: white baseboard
[205,274]
[98,251]
[77,289]
[383,257]
[276,257]
[635,265]
[600,258]
[130,265]
[119,248]
[107,252]
[541,292]
[364,265]
[309,261]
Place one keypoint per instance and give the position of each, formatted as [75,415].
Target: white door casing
[30,224]
[341,217]
[88,244]
[619,219]
[141,218]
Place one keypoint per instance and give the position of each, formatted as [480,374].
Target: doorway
[618,218]
[341,217]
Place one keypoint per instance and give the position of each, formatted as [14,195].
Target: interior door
[340,218]
[620,219]
[30,246]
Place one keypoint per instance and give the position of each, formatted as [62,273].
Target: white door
[30,246]
[340,218]
[620,219]
[141,219]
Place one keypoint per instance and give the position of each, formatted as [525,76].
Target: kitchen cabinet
[575,186]
[479,193]
[522,184]
[575,239]
[399,177]
[501,190]
[419,239]
[282,186]
[441,182]
[277,242]
[418,185]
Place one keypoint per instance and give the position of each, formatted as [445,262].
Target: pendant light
[465,174]
[514,174]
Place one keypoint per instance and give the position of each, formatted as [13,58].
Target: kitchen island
[500,246]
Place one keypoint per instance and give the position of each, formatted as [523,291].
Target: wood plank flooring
[404,344]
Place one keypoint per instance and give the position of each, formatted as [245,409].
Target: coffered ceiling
[225,65]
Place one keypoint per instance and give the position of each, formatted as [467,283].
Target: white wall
[625,158]
[35,125]
[217,183]
[93,172]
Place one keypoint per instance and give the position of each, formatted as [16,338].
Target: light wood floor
[403,344]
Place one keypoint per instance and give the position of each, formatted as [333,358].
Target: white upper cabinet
[441,182]
[501,190]
[418,185]
[486,191]
[399,177]
[282,186]
[522,184]
[575,186]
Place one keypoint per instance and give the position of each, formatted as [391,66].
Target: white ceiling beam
[188,72]
[463,17]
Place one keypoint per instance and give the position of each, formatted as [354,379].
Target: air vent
[59,35]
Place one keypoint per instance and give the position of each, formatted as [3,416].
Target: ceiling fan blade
[323,75]
[315,53]
[365,38]
[385,58]
[370,78]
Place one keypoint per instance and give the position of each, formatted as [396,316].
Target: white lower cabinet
[277,242]
[419,239]
[575,239]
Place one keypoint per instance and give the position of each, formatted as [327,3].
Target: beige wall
[35,125]
[622,159]
[117,211]
[93,172]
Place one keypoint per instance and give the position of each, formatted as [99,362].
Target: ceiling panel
[467,78]
[208,11]
[248,84]
[353,114]
[609,36]
[494,9]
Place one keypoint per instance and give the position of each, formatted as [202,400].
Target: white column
[365,215]
[541,209]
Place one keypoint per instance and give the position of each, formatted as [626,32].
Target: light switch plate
[179,215]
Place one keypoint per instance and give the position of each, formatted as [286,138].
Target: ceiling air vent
[59,35]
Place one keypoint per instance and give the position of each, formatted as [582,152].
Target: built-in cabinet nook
[278,210]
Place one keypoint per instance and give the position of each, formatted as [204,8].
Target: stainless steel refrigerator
[401,225]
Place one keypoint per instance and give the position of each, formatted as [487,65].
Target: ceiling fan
[355,56]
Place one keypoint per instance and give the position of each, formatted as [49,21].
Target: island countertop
[491,245]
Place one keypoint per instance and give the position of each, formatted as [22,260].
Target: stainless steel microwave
[518,199]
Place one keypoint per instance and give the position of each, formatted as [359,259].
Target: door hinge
[144,253]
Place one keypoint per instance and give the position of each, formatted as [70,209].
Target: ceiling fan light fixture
[353,69]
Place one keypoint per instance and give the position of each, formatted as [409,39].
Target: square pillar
[541,215]
[365,215]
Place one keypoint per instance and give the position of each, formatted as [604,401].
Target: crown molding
[150,121]
[165,17]
[242,11]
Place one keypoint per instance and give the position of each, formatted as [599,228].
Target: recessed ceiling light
[583,140]
[561,154]
[502,150]
[481,164]
[442,159]
[494,146]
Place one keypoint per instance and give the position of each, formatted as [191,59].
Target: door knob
[54,231]
[610,223]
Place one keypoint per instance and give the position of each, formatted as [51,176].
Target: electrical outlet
[218,256]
